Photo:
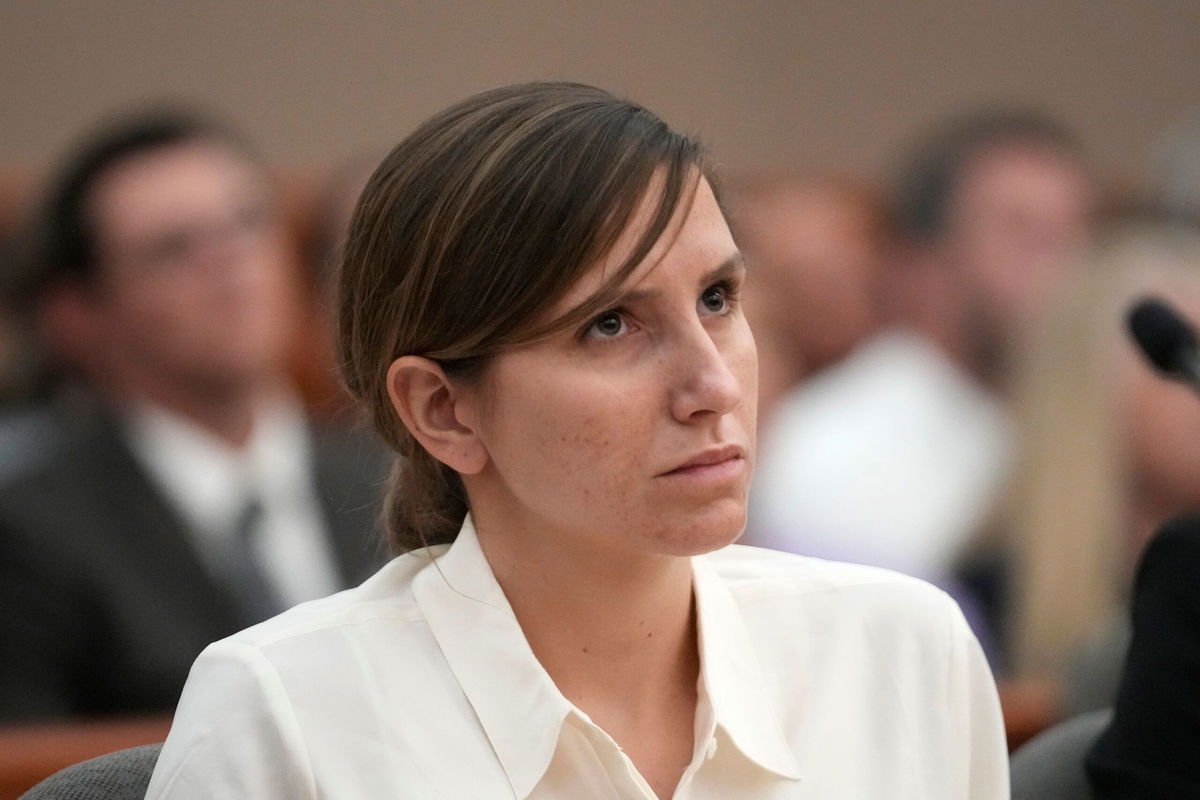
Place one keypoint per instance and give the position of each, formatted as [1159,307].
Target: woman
[539,308]
[1108,455]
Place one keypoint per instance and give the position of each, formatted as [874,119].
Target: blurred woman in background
[1110,451]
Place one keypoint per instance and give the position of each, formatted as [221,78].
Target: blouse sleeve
[234,733]
[973,700]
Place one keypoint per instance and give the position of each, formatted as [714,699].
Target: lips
[707,460]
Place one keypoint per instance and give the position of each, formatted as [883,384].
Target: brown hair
[470,229]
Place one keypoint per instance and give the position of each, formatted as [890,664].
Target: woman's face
[634,431]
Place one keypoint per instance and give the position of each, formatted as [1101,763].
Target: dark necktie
[244,570]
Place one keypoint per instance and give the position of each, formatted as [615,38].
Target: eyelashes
[602,326]
[718,299]
[726,291]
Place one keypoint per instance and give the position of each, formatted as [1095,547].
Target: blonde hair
[1070,496]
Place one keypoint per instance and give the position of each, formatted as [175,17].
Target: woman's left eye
[608,325]
[715,300]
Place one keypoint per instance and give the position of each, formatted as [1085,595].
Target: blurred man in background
[897,455]
[816,246]
[314,360]
[27,429]
[197,500]
[995,209]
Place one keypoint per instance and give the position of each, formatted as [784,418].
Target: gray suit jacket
[103,602]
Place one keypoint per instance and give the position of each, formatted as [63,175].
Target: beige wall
[836,84]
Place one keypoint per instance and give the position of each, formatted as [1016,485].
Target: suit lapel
[151,533]
[143,523]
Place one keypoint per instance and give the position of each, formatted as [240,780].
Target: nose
[233,260]
[702,382]
[227,246]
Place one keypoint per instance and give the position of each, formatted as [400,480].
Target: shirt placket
[627,782]
[706,750]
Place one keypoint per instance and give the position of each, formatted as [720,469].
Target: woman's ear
[427,402]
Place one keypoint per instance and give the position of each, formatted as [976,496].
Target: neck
[608,628]
[1151,508]
[926,295]
[616,633]
[227,411]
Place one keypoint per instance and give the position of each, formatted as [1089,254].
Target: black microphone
[1166,339]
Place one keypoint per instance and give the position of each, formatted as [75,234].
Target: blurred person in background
[41,399]
[1109,452]
[814,242]
[1177,170]
[314,363]
[198,500]
[26,431]
[897,456]
[1148,749]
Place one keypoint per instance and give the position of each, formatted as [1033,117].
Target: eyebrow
[722,271]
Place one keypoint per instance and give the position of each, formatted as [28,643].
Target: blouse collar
[517,703]
[737,686]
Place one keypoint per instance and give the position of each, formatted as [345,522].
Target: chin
[703,531]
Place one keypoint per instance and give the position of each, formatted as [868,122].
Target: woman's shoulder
[746,568]
[384,598]
[758,578]
[314,688]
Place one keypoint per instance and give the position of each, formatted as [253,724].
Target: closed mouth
[709,458]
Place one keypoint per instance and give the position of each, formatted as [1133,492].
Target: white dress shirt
[818,680]
[892,458]
[209,482]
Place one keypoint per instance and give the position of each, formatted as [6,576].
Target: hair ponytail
[425,502]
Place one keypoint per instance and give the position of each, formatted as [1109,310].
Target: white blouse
[818,680]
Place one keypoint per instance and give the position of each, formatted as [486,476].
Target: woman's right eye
[608,325]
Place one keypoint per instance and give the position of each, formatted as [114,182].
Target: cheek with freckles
[573,447]
[598,445]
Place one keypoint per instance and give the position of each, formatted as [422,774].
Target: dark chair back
[123,775]
[1050,765]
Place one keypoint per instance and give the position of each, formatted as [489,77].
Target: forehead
[1017,167]
[806,215]
[170,186]
[697,240]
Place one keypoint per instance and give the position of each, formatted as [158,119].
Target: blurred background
[946,207]
[813,85]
